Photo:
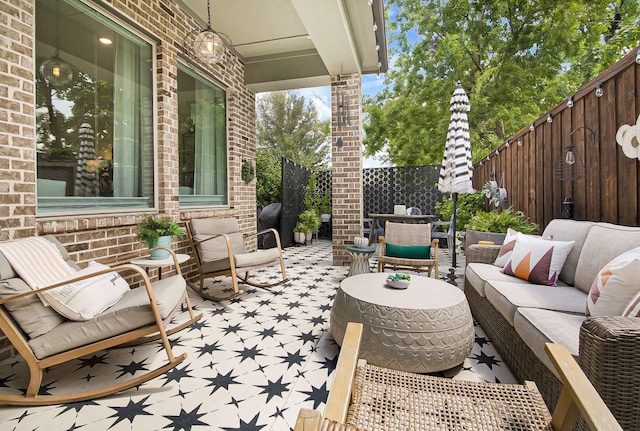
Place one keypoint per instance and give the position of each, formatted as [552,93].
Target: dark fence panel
[413,186]
[323,186]
[294,183]
[609,190]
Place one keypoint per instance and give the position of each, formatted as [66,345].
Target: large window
[94,111]
[202,141]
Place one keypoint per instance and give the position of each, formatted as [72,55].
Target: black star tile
[248,352]
[130,411]
[208,349]
[283,317]
[76,406]
[199,325]
[317,320]
[247,426]
[132,368]
[306,336]
[92,361]
[481,341]
[232,329]
[5,380]
[329,363]
[489,361]
[184,421]
[268,332]
[273,389]
[317,395]
[221,381]
[44,389]
[175,374]
[293,359]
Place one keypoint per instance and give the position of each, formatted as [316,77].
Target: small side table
[159,263]
[360,259]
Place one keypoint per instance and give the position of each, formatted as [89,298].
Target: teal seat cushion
[408,251]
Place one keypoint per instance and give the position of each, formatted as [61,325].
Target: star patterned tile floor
[253,362]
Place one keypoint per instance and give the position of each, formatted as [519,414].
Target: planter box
[474,236]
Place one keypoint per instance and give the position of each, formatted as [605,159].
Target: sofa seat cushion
[477,275]
[507,297]
[537,327]
[604,242]
[131,312]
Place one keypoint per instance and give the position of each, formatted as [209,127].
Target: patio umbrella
[85,175]
[457,170]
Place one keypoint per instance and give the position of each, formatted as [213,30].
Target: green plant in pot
[308,222]
[159,231]
[492,226]
[325,208]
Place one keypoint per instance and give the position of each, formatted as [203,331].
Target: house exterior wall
[96,236]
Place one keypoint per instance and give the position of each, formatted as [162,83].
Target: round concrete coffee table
[424,328]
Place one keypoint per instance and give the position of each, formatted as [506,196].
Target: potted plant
[159,231]
[492,226]
[308,222]
[325,208]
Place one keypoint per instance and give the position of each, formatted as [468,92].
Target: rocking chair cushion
[216,248]
[29,312]
[259,257]
[131,312]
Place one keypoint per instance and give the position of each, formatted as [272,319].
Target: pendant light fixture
[55,70]
[207,45]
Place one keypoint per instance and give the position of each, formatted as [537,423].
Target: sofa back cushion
[569,230]
[604,243]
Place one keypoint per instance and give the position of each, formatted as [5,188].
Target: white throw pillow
[85,299]
[615,286]
[538,260]
[507,247]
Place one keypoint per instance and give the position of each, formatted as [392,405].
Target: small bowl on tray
[398,281]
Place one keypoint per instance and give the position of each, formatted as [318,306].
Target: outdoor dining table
[398,217]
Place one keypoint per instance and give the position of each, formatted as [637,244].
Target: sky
[320,97]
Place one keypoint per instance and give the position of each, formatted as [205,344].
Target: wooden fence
[609,190]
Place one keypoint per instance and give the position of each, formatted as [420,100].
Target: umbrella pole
[454,196]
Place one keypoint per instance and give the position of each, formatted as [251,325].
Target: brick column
[346,163]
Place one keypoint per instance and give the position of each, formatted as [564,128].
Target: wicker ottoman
[424,328]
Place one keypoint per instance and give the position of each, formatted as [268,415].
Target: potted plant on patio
[493,225]
[308,222]
[325,208]
[159,231]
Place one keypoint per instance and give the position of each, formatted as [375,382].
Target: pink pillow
[615,286]
[538,260]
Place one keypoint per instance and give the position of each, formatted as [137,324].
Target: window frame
[114,205]
[190,68]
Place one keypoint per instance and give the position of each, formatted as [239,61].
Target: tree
[515,59]
[268,176]
[289,124]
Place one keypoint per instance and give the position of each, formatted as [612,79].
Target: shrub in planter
[157,231]
[492,226]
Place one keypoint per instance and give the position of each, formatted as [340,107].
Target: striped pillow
[613,289]
[538,260]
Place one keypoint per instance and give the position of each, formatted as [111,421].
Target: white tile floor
[252,363]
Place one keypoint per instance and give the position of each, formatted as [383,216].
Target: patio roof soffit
[288,44]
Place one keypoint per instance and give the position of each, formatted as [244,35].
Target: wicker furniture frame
[154,331]
[232,268]
[408,234]
[374,398]
[608,352]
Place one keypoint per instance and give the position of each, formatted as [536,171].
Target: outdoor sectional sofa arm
[609,349]
[476,253]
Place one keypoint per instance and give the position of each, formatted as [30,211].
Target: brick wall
[346,169]
[99,236]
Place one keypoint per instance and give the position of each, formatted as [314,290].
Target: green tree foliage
[289,123]
[268,176]
[516,60]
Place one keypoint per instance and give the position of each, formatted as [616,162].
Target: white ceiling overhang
[288,44]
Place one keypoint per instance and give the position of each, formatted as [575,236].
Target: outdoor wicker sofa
[520,317]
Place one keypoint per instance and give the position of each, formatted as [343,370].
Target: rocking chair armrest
[119,268]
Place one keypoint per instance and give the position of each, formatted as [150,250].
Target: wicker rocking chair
[373,398]
[44,337]
[219,249]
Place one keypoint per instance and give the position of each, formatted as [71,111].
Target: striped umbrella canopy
[457,169]
[85,176]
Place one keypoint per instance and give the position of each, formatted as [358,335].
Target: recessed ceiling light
[105,40]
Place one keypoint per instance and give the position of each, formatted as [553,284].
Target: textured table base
[414,340]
